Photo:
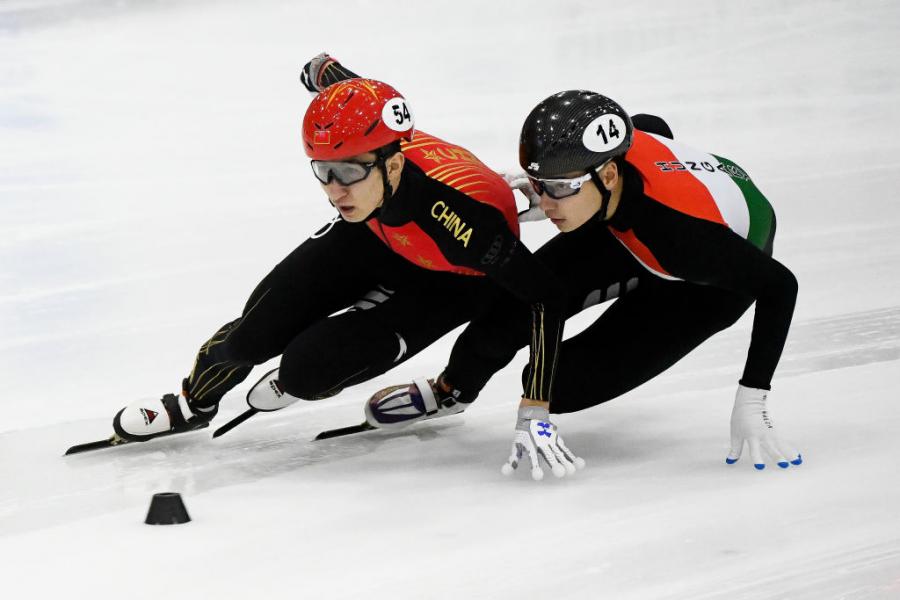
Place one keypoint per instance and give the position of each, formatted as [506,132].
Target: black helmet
[575,130]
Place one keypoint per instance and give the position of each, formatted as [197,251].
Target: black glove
[323,70]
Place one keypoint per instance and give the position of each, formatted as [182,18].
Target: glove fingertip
[797,461]
[537,474]
[507,469]
[784,464]
[759,466]
[559,470]
[579,463]
[730,460]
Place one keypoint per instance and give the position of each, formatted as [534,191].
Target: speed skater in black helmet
[680,241]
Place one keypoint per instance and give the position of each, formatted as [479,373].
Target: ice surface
[151,173]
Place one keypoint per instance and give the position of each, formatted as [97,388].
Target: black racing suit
[292,312]
[653,322]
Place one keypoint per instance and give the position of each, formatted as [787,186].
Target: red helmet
[353,117]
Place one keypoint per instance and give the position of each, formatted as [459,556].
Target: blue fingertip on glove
[730,461]
[798,460]
[759,467]
[784,465]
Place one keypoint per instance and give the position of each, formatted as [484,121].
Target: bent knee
[308,380]
[317,371]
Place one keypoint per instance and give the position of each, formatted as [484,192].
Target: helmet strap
[605,195]
[381,163]
[388,189]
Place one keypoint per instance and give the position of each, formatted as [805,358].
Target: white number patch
[604,133]
[396,115]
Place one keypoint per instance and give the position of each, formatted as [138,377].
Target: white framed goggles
[563,188]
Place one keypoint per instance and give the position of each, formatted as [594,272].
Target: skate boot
[147,419]
[400,405]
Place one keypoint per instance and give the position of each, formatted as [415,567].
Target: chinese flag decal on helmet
[354,117]
[321,137]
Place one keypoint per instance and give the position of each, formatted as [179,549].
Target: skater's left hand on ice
[519,181]
[750,423]
[537,436]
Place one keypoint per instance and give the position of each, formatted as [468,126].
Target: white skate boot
[148,419]
[401,405]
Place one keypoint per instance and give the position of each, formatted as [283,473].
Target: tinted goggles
[559,188]
[344,172]
[563,188]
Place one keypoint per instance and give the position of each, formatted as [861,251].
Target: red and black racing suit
[428,260]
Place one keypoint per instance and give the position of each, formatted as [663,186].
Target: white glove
[750,423]
[535,434]
[519,181]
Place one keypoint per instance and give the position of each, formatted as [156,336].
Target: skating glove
[323,70]
[751,423]
[519,181]
[537,436]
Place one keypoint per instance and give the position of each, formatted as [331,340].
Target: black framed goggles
[344,172]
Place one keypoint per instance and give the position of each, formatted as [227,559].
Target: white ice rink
[151,172]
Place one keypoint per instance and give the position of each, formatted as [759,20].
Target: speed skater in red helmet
[426,237]
[351,129]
